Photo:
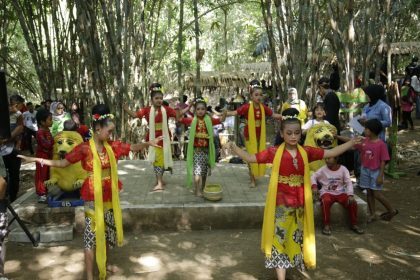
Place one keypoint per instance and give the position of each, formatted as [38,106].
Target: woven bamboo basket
[213,192]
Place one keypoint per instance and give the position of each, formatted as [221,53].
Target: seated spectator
[336,186]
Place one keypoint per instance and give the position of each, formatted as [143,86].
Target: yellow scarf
[99,205]
[309,250]
[257,170]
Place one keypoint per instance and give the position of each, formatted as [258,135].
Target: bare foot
[253,183]
[158,188]
[112,268]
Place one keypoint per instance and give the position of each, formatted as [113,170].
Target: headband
[98,117]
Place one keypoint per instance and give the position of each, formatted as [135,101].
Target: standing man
[8,146]
[331,102]
[31,127]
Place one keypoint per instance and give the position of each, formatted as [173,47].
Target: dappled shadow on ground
[388,250]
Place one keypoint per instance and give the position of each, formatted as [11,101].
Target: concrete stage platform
[176,208]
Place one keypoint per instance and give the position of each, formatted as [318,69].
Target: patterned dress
[83,153]
[288,230]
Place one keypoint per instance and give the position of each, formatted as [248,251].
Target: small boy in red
[336,186]
[44,150]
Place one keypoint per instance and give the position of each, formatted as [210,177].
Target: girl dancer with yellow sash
[201,153]
[157,117]
[255,132]
[100,190]
[288,236]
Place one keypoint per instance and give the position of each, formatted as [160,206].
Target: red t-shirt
[243,111]
[45,143]
[290,194]
[145,113]
[372,153]
[83,153]
[201,133]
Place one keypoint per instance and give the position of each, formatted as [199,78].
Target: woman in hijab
[59,115]
[377,108]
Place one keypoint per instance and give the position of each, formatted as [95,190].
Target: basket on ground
[213,192]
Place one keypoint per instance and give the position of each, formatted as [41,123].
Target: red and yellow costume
[84,154]
[161,157]
[44,150]
[255,132]
[145,113]
[243,112]
[288,238]
[201,139]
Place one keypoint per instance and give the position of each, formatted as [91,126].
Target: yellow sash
[99,205]
[252,146]
[309,249]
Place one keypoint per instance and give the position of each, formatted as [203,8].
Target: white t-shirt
[29,120]
[311,123]
[415,83]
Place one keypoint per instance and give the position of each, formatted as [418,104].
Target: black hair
[324,82]
[184,98]
[29,104]
[70,125]
[200,101]
[100,109]
[289,116]
[48,100]
[16,99]
[253,85]
[375,93]
[317,105]
[42,115]
[415,59]
[37,106]
[374,125]
[155,89]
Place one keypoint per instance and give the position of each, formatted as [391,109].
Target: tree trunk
[180,47]
[197,91]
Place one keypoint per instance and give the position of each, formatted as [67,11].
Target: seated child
[336,186]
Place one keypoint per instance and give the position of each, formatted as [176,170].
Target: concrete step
[179,216]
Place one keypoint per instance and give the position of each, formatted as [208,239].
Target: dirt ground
[388,250]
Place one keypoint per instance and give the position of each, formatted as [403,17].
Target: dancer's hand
[357,140]
[155,142]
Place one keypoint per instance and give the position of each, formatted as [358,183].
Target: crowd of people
[288,238]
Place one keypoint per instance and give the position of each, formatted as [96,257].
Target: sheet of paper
[354,123]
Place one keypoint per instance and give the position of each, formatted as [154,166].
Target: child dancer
[44,150]
[255,132]
[318,115]
[201,153]
[374,154]
[157,117]
[288,237]
[336,186]
[100,190]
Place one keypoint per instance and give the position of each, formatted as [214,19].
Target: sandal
[357,230]
[388,216]
[326,231]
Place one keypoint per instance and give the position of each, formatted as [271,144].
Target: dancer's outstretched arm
[140,146]
[127,110]
[241,153]
[336,151]
[61,163]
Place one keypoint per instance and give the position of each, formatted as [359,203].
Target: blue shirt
[380,111]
